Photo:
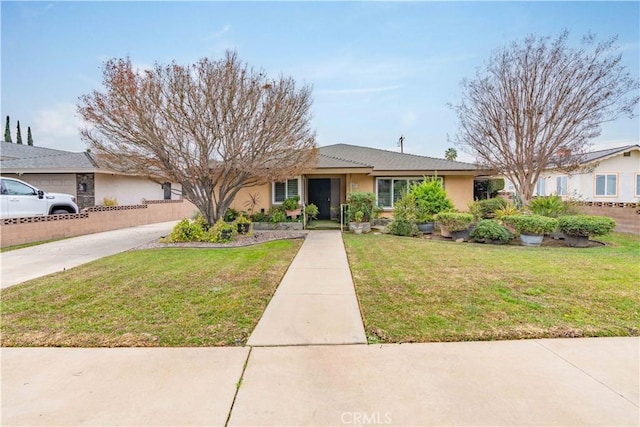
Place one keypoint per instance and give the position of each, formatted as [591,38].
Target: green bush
[406,208]
[231,214]
[259,217]
[488,207]
[403,227]
[221,232]
[431,199]
[311,211]
[551,206]
[364,202]
[291,204]
[454,221]
[187,231]
[531,224]
[586,225]
[489,229]
[277,214]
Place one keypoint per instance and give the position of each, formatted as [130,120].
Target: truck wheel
[59,212]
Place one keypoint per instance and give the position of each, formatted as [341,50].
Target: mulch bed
[239,240]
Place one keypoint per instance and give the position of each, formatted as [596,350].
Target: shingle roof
[67,161]
[326,162]
[384,160]
[11,151]
[597,155]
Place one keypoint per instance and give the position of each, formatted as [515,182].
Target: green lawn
[157,297]
[419,290]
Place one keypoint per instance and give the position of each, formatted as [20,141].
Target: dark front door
[319,190]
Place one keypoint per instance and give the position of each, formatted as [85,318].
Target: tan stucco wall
[459,188]
[360,182]
[262,193]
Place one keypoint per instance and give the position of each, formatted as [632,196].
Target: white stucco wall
[583,186]
[129,190]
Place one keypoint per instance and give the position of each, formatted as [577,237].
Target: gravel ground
[240,240]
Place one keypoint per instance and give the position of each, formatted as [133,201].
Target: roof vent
[627,154]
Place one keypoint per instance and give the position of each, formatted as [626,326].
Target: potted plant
[360,201]
[578,228]
[490,231]
[532,228]
[358,216]
[311,211]
[551,206]
[242,224]
[291,206]
[456,223]
[431,199]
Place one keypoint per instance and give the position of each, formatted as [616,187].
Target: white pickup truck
[19,199]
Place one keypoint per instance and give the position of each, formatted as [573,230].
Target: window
[14,188]
[606,184]
[638,185]
[540,190]
[561,186]
[284,190]
[390,190]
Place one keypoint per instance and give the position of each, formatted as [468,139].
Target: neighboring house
[78,174]
[611,175]
[343,168]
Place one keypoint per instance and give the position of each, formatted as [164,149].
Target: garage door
[53,183]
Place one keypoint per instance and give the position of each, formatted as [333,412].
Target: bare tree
[214,127]
[536,104]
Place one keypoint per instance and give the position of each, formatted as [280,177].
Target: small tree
[536,104]
[29,137]
[7,131]
[451,154]
[213,126]
[18,134]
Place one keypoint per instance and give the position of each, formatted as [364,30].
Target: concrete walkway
[29,263]
[560,382]
[316,302]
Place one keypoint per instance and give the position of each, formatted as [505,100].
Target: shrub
[489,229]
[291,204]
[221,232]
[488,207]
[551,206]
[586,225]
[230,215]
[454,221]
[259,217]
[508,210]
[107,201]
[431,199]
[311,211]
[358,216]
[277,214]
[531,224]
[187,231]
[406,207]
[364,202]
[403,227]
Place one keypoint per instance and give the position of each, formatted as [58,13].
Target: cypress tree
[7,132]
[29,137]
[18,135]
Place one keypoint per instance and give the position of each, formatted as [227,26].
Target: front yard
[418,290]
[157,297]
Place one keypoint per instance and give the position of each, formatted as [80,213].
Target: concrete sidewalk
[29,263]
[316,301]
[557,382]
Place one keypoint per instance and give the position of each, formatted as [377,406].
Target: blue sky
[378,69]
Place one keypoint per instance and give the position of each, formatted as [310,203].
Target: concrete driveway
[29,263]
